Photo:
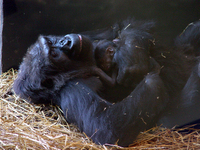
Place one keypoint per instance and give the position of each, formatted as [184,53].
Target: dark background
[25,20]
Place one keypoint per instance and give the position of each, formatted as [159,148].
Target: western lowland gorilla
[124,61]
[59,69]
[130,42]
[45,77]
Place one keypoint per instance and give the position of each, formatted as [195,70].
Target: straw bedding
[30,126]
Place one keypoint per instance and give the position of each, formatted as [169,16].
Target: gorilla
[44,77]
[184,108]
[59,70]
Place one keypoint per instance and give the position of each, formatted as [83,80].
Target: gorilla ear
[110,51]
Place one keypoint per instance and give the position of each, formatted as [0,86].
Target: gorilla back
[52,72]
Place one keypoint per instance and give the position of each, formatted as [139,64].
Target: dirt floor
[29,126]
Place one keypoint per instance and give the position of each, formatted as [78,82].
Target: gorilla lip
[80,39]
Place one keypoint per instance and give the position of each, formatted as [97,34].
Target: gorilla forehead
[38,52]
[42,44]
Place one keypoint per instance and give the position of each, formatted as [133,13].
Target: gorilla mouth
[80,40]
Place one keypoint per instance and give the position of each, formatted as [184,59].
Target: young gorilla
[126,57]
[176,67]
[135,45]
[104,53]
[49,71]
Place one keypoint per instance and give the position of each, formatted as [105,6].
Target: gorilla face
[53,57]
[62,52]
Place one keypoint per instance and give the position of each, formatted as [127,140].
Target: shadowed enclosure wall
[25,20]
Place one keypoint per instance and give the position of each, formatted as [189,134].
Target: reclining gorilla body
[52,72]
[41,79]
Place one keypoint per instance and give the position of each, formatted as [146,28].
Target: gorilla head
[47,62]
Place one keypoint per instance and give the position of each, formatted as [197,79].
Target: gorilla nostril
[69,42]
[62,42]
[66,41]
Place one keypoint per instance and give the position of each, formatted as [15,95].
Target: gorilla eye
[66,41]
[49,42]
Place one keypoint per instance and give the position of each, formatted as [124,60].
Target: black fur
[183,109]
[63,80]
[189,39]
[99,119]
[135,47]
[131,60]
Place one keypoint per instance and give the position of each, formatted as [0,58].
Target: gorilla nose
[71,44]
[66,41]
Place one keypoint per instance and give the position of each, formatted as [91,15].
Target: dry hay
[30,126]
